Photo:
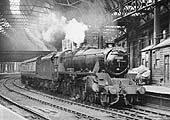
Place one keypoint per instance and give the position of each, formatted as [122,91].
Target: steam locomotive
[87,74]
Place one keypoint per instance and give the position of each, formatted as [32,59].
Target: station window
[146,59]
[166,68]
[143,60]
[147,64]
[157,59]
[147,56]
[157,63]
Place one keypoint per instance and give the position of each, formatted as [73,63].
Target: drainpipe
[156,23]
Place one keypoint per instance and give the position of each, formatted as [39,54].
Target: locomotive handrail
[89,47]
[30,60]
[62,52]
[60,55]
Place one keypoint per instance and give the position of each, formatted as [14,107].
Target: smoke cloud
[56,27]
[75,31]
[92,13]
[52,24]
[72,22]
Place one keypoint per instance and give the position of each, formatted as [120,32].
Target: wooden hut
[160,63]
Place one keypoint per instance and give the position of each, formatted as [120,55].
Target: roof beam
[132,7]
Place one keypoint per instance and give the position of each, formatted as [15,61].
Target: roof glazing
[17,13]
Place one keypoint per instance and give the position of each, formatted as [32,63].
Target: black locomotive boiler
[87,74]
[113,61]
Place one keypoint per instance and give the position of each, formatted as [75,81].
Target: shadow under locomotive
[87,74]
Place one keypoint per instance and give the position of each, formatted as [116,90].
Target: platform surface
[157,89]
[7,114]
[10,73]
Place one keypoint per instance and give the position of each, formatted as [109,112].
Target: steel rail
[122,113]
[76,113]
[40,116]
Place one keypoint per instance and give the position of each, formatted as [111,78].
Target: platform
[7,114]
[10,73]
[157,97]
[157,89]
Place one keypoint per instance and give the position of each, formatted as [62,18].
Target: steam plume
[56,25]
[75,31]
[72,22]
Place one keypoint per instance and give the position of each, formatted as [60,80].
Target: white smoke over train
[75,31]
[71,22]
[56,25]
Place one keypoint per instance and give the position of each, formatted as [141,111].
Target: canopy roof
[164,43]
[23,12]
[147,48]
[18,14]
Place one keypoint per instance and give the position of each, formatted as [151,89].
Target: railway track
[152,113]
[32,114]
[14,106]
[76,113]
[47,112]
[133,113]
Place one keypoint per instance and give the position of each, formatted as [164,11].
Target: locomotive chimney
[100,40]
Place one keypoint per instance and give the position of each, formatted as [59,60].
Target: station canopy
[27,13]
[20,19]
[39,24]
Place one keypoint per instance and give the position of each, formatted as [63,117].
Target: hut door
[166,68]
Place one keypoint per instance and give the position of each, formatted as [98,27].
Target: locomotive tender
[90,74]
